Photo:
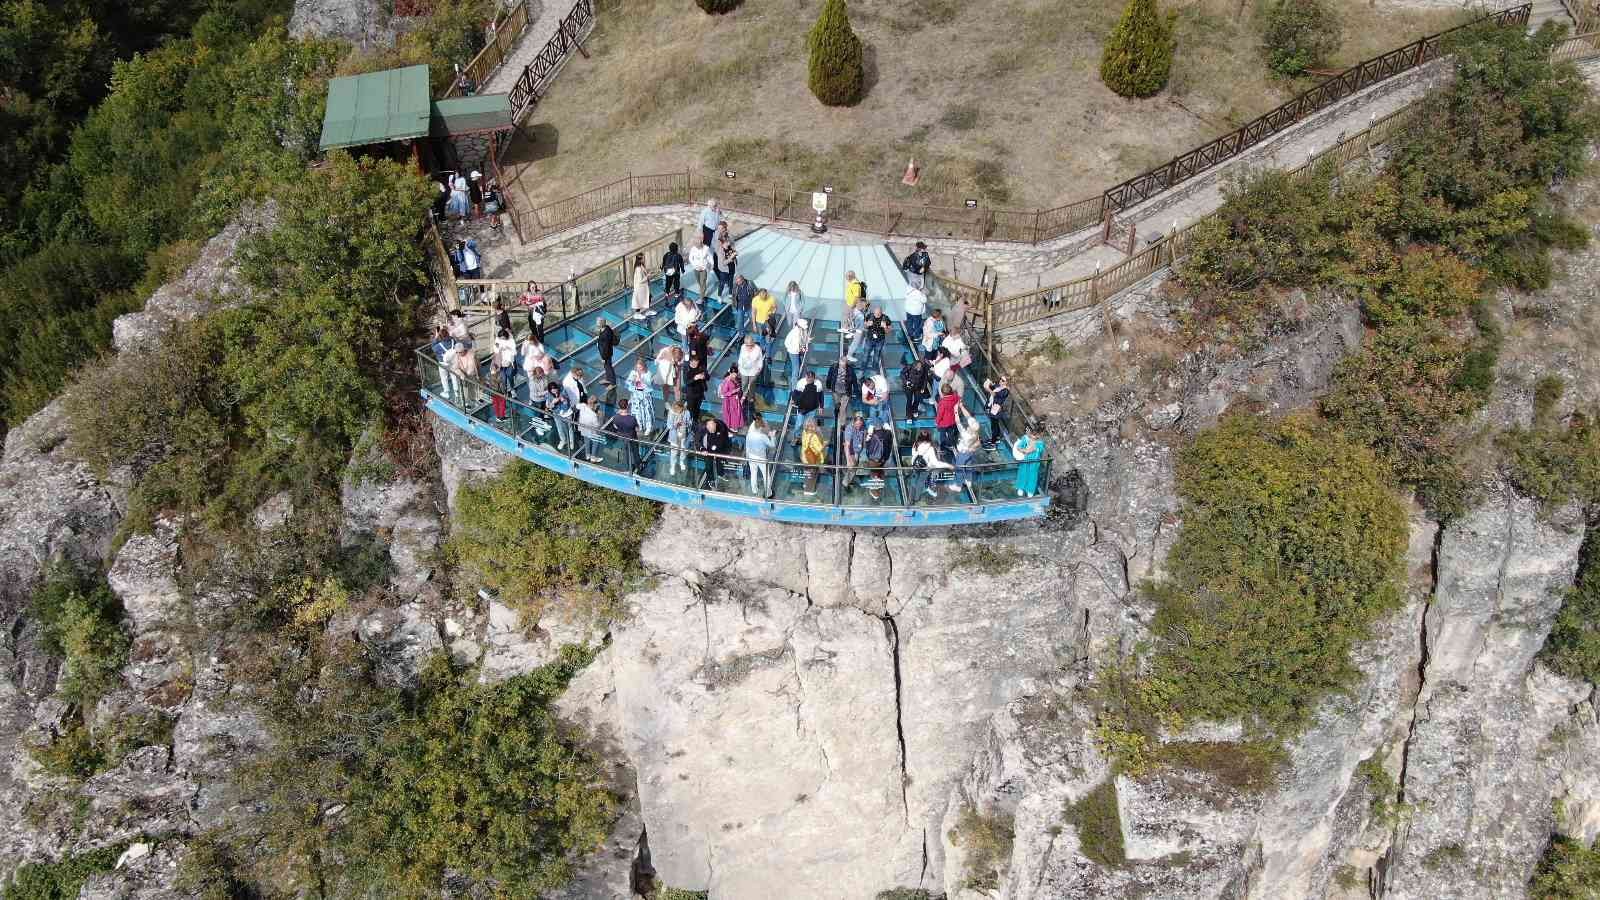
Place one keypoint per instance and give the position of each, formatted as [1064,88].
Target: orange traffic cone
[912,174]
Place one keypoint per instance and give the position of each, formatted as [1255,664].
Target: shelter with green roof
[391,113]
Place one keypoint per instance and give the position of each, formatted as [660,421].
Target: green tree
[534,536]
[1138,55]
[1573,645]
[837,76]
[718,7]
[1292,545]
[1297,35]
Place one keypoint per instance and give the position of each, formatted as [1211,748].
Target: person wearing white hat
[475,192]
[794,343]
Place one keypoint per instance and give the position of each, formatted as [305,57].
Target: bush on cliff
[1292,545]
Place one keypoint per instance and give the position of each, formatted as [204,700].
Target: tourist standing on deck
[727,259]
[561,411]
[751,360]
[914,379]
[916,307]
[967,445]
[997,403]
[933,333]
[639,398]
[672,270]
[732,393]
[694,384]
[641,288]
[795,343]
[944,418]
[877,331]
[807,396]
[572,386]
[758,443]
[876,402]
[922,452]
[793,303]
[916,266]
[744,295]
[626,426]
[680,434]
[879,442]
[813,451]
[710,220]
[669,363]
[762,308]
[605,344]
[701,260]
[589,424]
[1028,450]
[715,443]
[684,318]
[851,444]
[856,319]
[467,373]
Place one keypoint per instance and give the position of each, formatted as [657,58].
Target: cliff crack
[892,632]
[1423,658]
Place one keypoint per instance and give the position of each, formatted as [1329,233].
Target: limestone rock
[367,24]
[212,281]
[462,457]
[145,578]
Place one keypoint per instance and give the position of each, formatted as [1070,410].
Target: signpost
[819,202]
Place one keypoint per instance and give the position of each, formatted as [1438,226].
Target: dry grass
[1000,99]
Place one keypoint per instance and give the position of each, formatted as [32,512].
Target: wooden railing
[1356,78]
[1094,290]
[789,204]
[537,75]
[1579,47]
[507,34]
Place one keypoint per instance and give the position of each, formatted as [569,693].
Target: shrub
[1297,35]
[1418,282]
[1292,544]
[1138,55]
[1099,824]
[532,536]
[79,618]
[1249,767]
[837,75]
[451,775]
[1273,231]
[1404,396]
[209,871]
[718,7]
[1483,149]
[73,753]
[987,841]
[1573,646]
[1553,463]
[62,879]
[1567,871]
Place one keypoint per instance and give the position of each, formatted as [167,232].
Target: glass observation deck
[996,486]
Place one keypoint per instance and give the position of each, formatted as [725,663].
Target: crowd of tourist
[932,374]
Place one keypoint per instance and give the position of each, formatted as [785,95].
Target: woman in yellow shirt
[762,306]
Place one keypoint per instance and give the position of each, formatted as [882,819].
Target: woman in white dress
[641,288]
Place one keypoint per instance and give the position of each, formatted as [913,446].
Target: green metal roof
[471,115]
[376,107]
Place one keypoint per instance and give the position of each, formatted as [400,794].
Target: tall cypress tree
[837,77]
[1138,55]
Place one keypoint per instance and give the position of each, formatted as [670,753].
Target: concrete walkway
[544,17]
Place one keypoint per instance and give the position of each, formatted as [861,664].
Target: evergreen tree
[836,72]
[1138,55]
[717,7]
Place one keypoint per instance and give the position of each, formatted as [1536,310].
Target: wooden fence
[1356,78]
[507,34]
[537,75]
[789,204]
[1096,290]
